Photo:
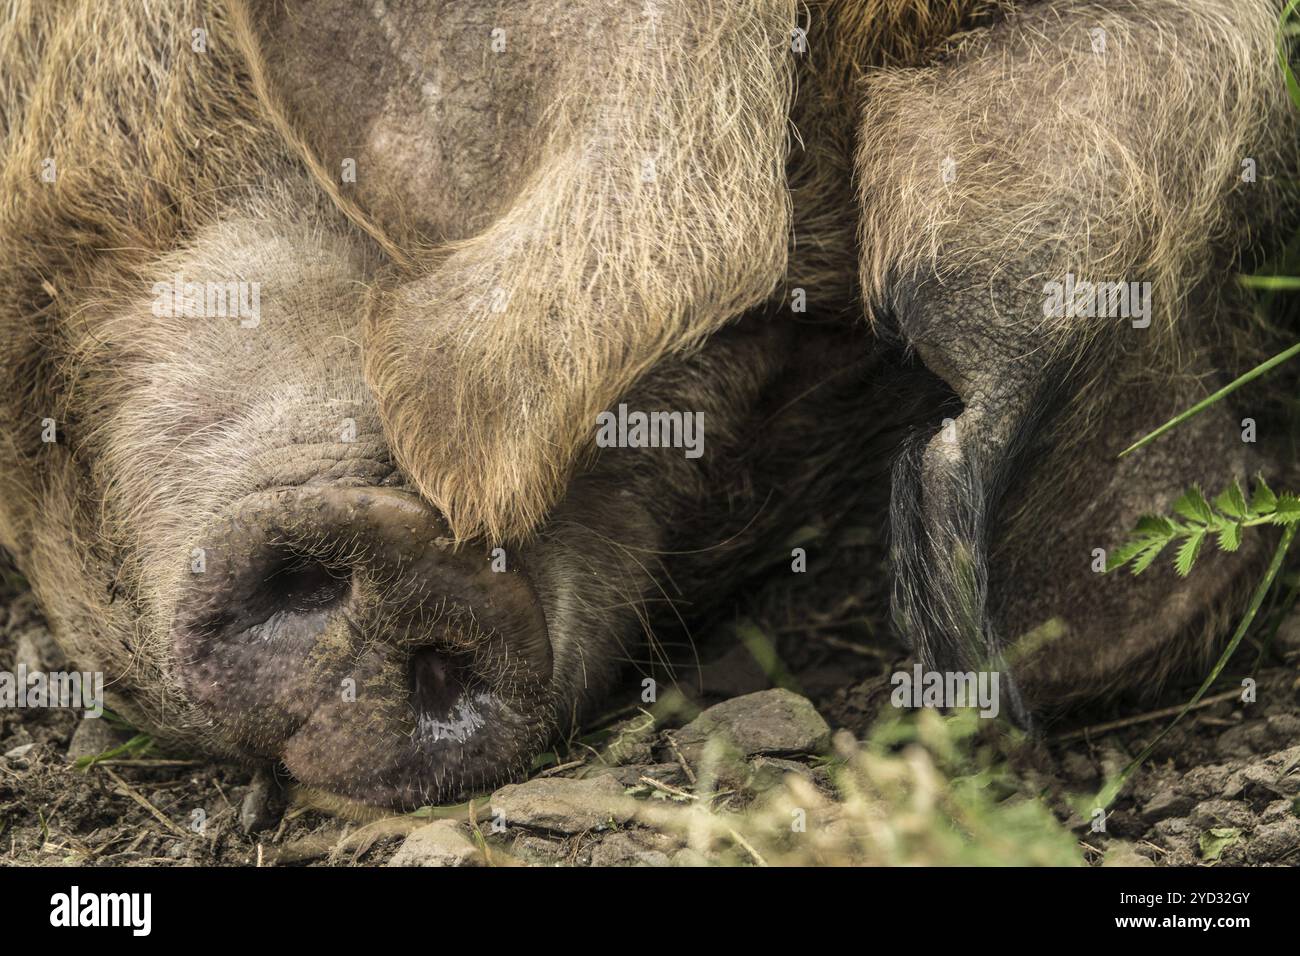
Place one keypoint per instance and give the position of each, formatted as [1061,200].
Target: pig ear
[644,229]
[480,415]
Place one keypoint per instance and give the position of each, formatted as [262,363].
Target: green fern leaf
[1144,559]
[1263,500]
[1231,501]
[1155,526]
[1188,552]
[1193,506]
[1288,509]
[1230,537]
[1125,553]
[1226,519]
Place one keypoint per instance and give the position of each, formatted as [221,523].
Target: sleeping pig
[377,375]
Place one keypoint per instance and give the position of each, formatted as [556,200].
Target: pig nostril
[302,585]
[446,708]
[293,599]
[435,684]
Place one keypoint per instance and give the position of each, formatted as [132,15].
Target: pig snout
[339,631]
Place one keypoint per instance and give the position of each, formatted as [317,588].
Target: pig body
[312,321]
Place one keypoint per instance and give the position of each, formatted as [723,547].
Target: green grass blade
[1272,283]
[1262,369]
[137,746]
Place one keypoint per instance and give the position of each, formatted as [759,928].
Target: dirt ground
[1223,788]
